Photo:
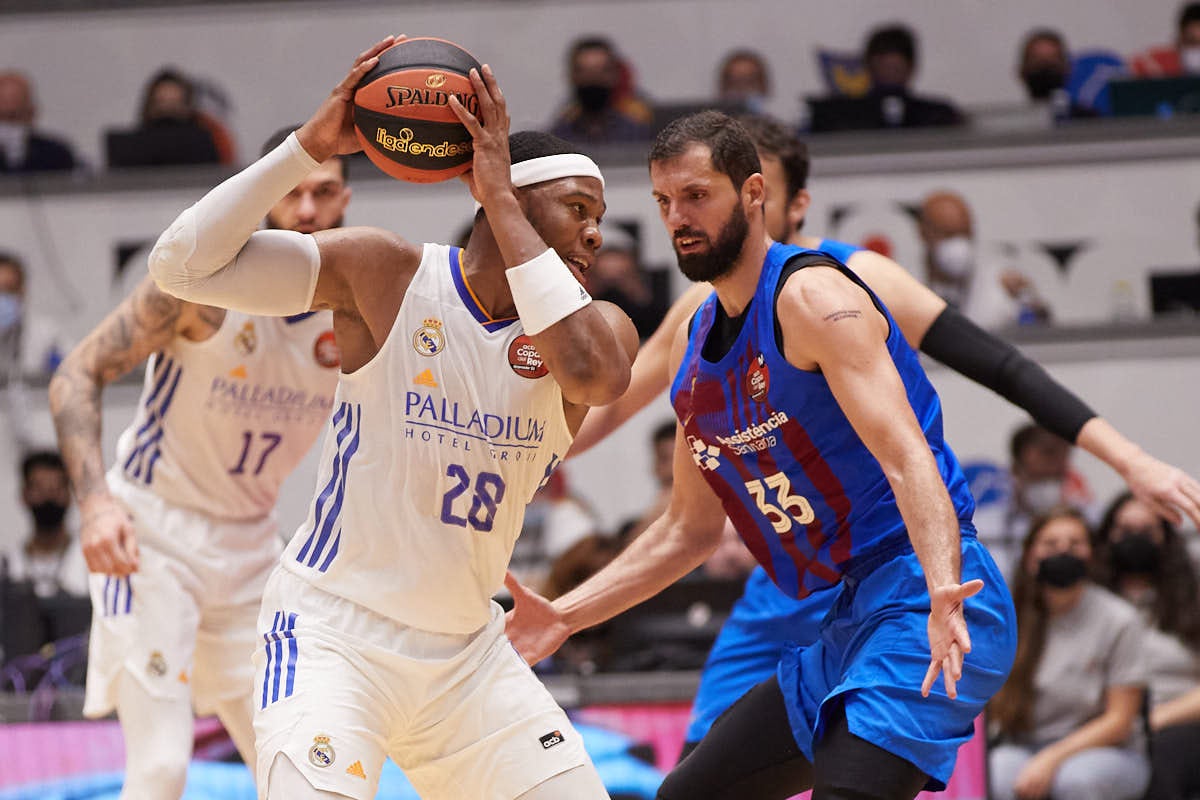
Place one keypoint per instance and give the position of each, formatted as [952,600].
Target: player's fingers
[493,88]
[132,551]
[376,49]
[955,659]
[487,105]
[465,117]
[950,679]
[930,676]
[356,74]
[1164,508]
[969,588]
[1190,499]
[513,585]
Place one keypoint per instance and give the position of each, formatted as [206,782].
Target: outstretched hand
[534,626]
[330,130]
[948,637]
[490,175]
[1166,489]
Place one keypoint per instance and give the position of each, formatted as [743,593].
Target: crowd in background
[1106,686]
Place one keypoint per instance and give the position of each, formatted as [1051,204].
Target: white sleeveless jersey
[434,449]
[222,422]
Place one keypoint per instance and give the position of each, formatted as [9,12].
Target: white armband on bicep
[274,274]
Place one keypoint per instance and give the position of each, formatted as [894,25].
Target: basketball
[401,113]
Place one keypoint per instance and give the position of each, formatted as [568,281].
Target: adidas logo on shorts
[550,739]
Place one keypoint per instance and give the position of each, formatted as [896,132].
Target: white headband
[548,168]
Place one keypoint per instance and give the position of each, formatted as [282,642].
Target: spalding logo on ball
[401,113]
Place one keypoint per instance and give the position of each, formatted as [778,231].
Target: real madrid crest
[157,665]
[321,753]
[429,340]
[758,379]
[246,339]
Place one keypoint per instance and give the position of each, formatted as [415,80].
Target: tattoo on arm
[845,314]
[145,322]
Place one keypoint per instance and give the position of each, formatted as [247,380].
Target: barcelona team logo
[429,340]
[758,379]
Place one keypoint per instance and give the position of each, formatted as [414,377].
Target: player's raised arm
[830,324]
[213,254]
[674,544]
[588,347]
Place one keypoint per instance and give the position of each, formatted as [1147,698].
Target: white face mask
[955,256]
[1041,496]
[1189,57]
[10,311]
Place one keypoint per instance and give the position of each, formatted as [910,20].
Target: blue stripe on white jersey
[147,448]
[326,521]
[116,602]
[275,678]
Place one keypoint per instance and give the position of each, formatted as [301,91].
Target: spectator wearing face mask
[743,78]
[954,271]
[49,559]
[1141,557]
[1044,69]
[31,345]
[1182,57]
[23,148]
[1065,722]
[604,107]
[169,132]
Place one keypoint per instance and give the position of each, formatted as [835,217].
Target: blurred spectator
[954,271]
[1142,558]
[618,277]
[1180,58]
[1040,478]
[589,650]
[31,345]
[212,110]
[744,78]
[22,148]
[1067,717]
[169,130]
[604,108]
[732,560]
[662,448]
[554,521]
[49,559]
[890,55]
[1045,69]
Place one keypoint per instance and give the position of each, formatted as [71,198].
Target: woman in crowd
[1142,558]
[1067,719]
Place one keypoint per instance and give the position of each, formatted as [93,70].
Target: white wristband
[545,291]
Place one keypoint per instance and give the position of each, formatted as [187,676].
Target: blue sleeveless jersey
[804,492]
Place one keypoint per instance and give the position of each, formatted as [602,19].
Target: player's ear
[754,191]
[797,208]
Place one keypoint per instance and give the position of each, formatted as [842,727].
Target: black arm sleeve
[971,351]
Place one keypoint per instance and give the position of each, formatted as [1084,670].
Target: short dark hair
[41,459]
[276,139]
[528,145]
[590,43]
[774,138]
[732,147]
[665,430]
[1025,436]
[1039,35]
[1188,14]
[167,75]
[897,39]
[9,257]
[745,54]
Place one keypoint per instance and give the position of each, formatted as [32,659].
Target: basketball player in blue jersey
[465,373]
[807,420]
[180,534]
[764,619]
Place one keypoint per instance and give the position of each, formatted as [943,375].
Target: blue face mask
[10,311]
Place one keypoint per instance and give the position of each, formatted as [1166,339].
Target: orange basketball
[401,112]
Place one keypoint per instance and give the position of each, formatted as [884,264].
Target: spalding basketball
[401,112]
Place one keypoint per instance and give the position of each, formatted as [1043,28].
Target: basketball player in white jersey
[180,534]
[464,376]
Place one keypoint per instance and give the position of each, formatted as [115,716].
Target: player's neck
[807,242]
[736,288]
[483,272]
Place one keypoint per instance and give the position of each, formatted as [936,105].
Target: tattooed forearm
[143,323]
[846,314]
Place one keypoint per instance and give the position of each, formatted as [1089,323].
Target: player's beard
[721,255]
